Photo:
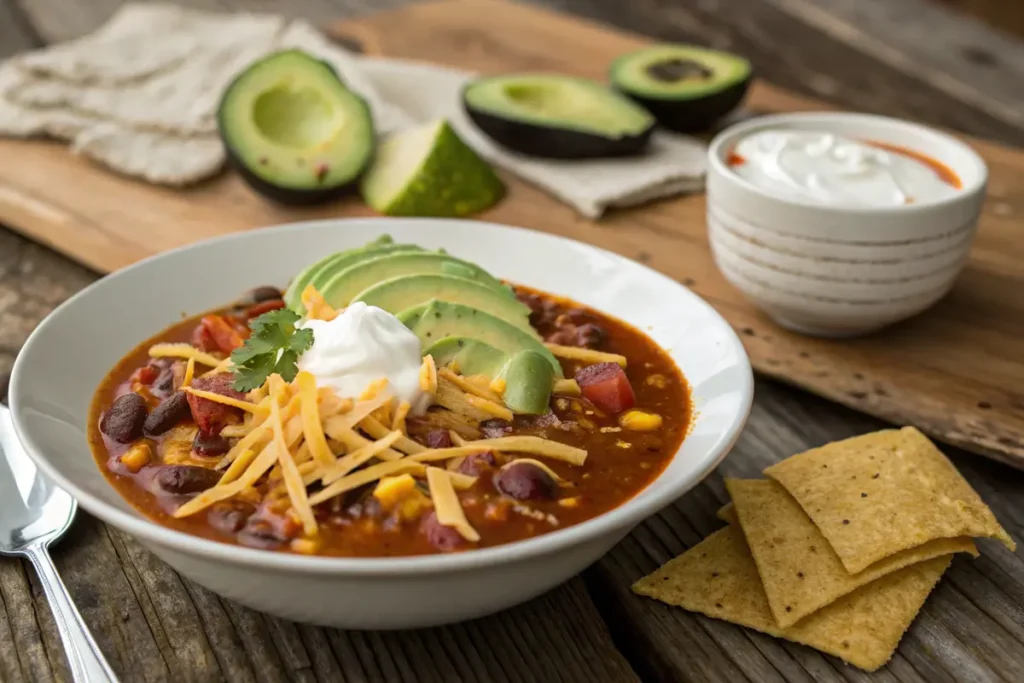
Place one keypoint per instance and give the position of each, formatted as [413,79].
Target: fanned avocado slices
[528,374]
[403,292]
[347,284]
[687,88]
[436,320]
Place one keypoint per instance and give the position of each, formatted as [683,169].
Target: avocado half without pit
[554,116]
[293,130]
[687,88]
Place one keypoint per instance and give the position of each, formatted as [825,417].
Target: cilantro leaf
[274,346]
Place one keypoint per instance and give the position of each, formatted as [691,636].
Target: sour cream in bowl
[838,224]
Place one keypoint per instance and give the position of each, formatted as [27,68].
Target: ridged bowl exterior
[836,271]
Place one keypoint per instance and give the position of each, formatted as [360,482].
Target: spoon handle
[85,659]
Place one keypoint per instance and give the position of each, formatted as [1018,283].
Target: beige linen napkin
[140,95]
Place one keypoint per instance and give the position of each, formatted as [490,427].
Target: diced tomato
[211,416]
[264,307]
[607,387]
[147,374]
[225,337]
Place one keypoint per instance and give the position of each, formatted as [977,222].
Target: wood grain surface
[156,626]
[957,371]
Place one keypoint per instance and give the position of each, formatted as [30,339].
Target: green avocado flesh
[348,283]
[399,293]
[678,72]
[436,320]
[556,101]
[528,374]
[429,171]
[293,127]
[293,295]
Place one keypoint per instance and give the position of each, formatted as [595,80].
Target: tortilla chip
[727,513]
[718,578]
[799,570]
[875,495]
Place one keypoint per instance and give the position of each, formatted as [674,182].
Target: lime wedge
[429,171]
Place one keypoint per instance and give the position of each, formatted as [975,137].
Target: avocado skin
[692,115]
[554,143]
[286,195]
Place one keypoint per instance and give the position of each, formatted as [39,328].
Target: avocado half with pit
[555,116]
[293,130]
[687,88]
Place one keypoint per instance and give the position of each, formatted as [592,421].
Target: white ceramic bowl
[69,353]
[838,271]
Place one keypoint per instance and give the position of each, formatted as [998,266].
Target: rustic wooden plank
[970,628]
[799,56]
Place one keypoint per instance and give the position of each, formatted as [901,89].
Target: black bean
[210,444]
[170,412]
[525,481]
[124,421]
[442,537]
[230,516]
[260,534]
[258,294]
[186,479]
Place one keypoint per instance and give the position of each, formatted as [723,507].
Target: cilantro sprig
[274,346]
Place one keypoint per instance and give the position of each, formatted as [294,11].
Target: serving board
[957,371]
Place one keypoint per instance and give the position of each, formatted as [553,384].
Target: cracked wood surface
[157,626]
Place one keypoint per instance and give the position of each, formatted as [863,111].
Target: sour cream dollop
[832,169]
[360,346]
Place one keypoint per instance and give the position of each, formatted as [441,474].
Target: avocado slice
[345,260]
[528,374]
[293,130]
[436,320]
[429,171]
[687,88]
[293,295]
[555,116]
[399,293]
[344,285]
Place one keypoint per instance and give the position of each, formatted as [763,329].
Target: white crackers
[140,94]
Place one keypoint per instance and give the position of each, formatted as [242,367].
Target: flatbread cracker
[718,578]
[877,494]
[798,568]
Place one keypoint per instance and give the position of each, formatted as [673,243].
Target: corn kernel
[412,505]
[657,381]
[570,502]
[176,452]
[391,490]
[623,444]
[640,421]
[137,457]
[306,546]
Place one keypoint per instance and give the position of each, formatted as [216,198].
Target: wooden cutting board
[957,371]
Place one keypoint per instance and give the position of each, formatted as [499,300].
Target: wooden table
[910,58]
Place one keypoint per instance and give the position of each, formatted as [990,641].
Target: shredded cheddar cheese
[253,408]
[428,375]
[184,351]
[446,504]
[190,372]
[585,355]
[311,427]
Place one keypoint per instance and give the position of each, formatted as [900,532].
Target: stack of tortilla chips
[838,549]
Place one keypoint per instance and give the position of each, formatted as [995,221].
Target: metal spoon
[33,514]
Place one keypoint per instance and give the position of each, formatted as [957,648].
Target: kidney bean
[438,438]
[474,465]
[124,421]
[207,444]
[495,428]
[444,538]
[259,309]
[186,479]
[230,516]
[525,481]
[170,412]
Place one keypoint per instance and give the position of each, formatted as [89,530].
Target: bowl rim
[723,140]
[624,516]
